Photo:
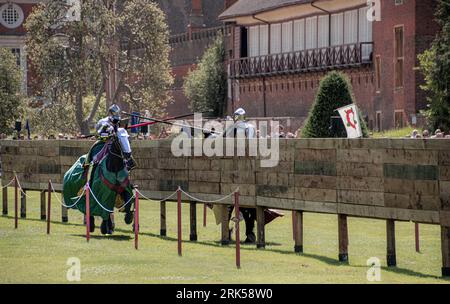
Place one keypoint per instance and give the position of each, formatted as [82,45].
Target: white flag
[350,117]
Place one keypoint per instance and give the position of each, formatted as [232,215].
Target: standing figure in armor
[242,129]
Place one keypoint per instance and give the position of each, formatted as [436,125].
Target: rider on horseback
[109,125]
[105,128]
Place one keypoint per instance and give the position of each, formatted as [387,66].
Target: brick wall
[294,95]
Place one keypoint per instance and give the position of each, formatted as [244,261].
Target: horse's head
[115,158]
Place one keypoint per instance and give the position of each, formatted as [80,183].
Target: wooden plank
[163,223]
[315,181]
[260,225]
[420,216]
[445,218]
[403,156]
[370,156]
[375,184]
[359,169]
[312,167]
[298,232]
[318,195]
[445,247]
[343,238]
[193,222]
[315,155]
[275,191]
[5,201]
[411,172]
[225,225]
[361,197]
[43,207]
[390,240]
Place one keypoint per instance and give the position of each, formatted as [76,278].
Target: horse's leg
[249,215]
[128,214]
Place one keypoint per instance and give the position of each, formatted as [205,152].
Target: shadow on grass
[248,247]
[114,237]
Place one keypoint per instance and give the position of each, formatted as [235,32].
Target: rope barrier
[192,197]
[20,187]
[103,207]
[212,201]
[10,182]
[78,198]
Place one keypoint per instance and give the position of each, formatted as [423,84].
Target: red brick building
[282,48]
[13,15]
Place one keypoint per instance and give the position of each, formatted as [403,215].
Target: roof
[250,7]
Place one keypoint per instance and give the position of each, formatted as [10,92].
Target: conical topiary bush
[334,92]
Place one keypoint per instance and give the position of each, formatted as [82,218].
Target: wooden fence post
[298,232]
[43,210]
[163,227]
[49,206]
[16,202]
[64,211]
[390,236]
[225,226]
[343,238]
[260,224]
[445,239]
[5,201]
[179,222]
[23,204]
[193,222]
[204,215]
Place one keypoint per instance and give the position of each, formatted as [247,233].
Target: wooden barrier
[388,179]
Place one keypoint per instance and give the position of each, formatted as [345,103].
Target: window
[365,33]
[275,38]
[378,72]
[11,15]
[323,31]
[337,29]
[350,27]
[398,119]
[311,33]
[398,49]
[287,37]
[299,35]
[263,40]
[378,121]
[253,33]
[16,52]
[398,2]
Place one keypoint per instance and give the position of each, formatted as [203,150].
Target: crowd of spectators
[427,135]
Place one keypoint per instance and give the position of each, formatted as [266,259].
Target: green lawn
[396,133]
[28,255]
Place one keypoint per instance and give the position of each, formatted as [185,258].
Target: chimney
[196,21]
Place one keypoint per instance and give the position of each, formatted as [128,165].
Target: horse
[104,170]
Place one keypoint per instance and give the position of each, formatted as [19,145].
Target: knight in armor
[110,125]
[106,127]
[242,129]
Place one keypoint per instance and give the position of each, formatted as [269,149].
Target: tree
[435,66]
[11,98]
[334,92]
[74,59]
[206,87]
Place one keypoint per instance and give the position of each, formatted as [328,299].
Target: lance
[148,123]
[170,123]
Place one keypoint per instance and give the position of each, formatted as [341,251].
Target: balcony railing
[342,56]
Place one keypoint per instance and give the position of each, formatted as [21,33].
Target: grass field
[28,255]
[396,133]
